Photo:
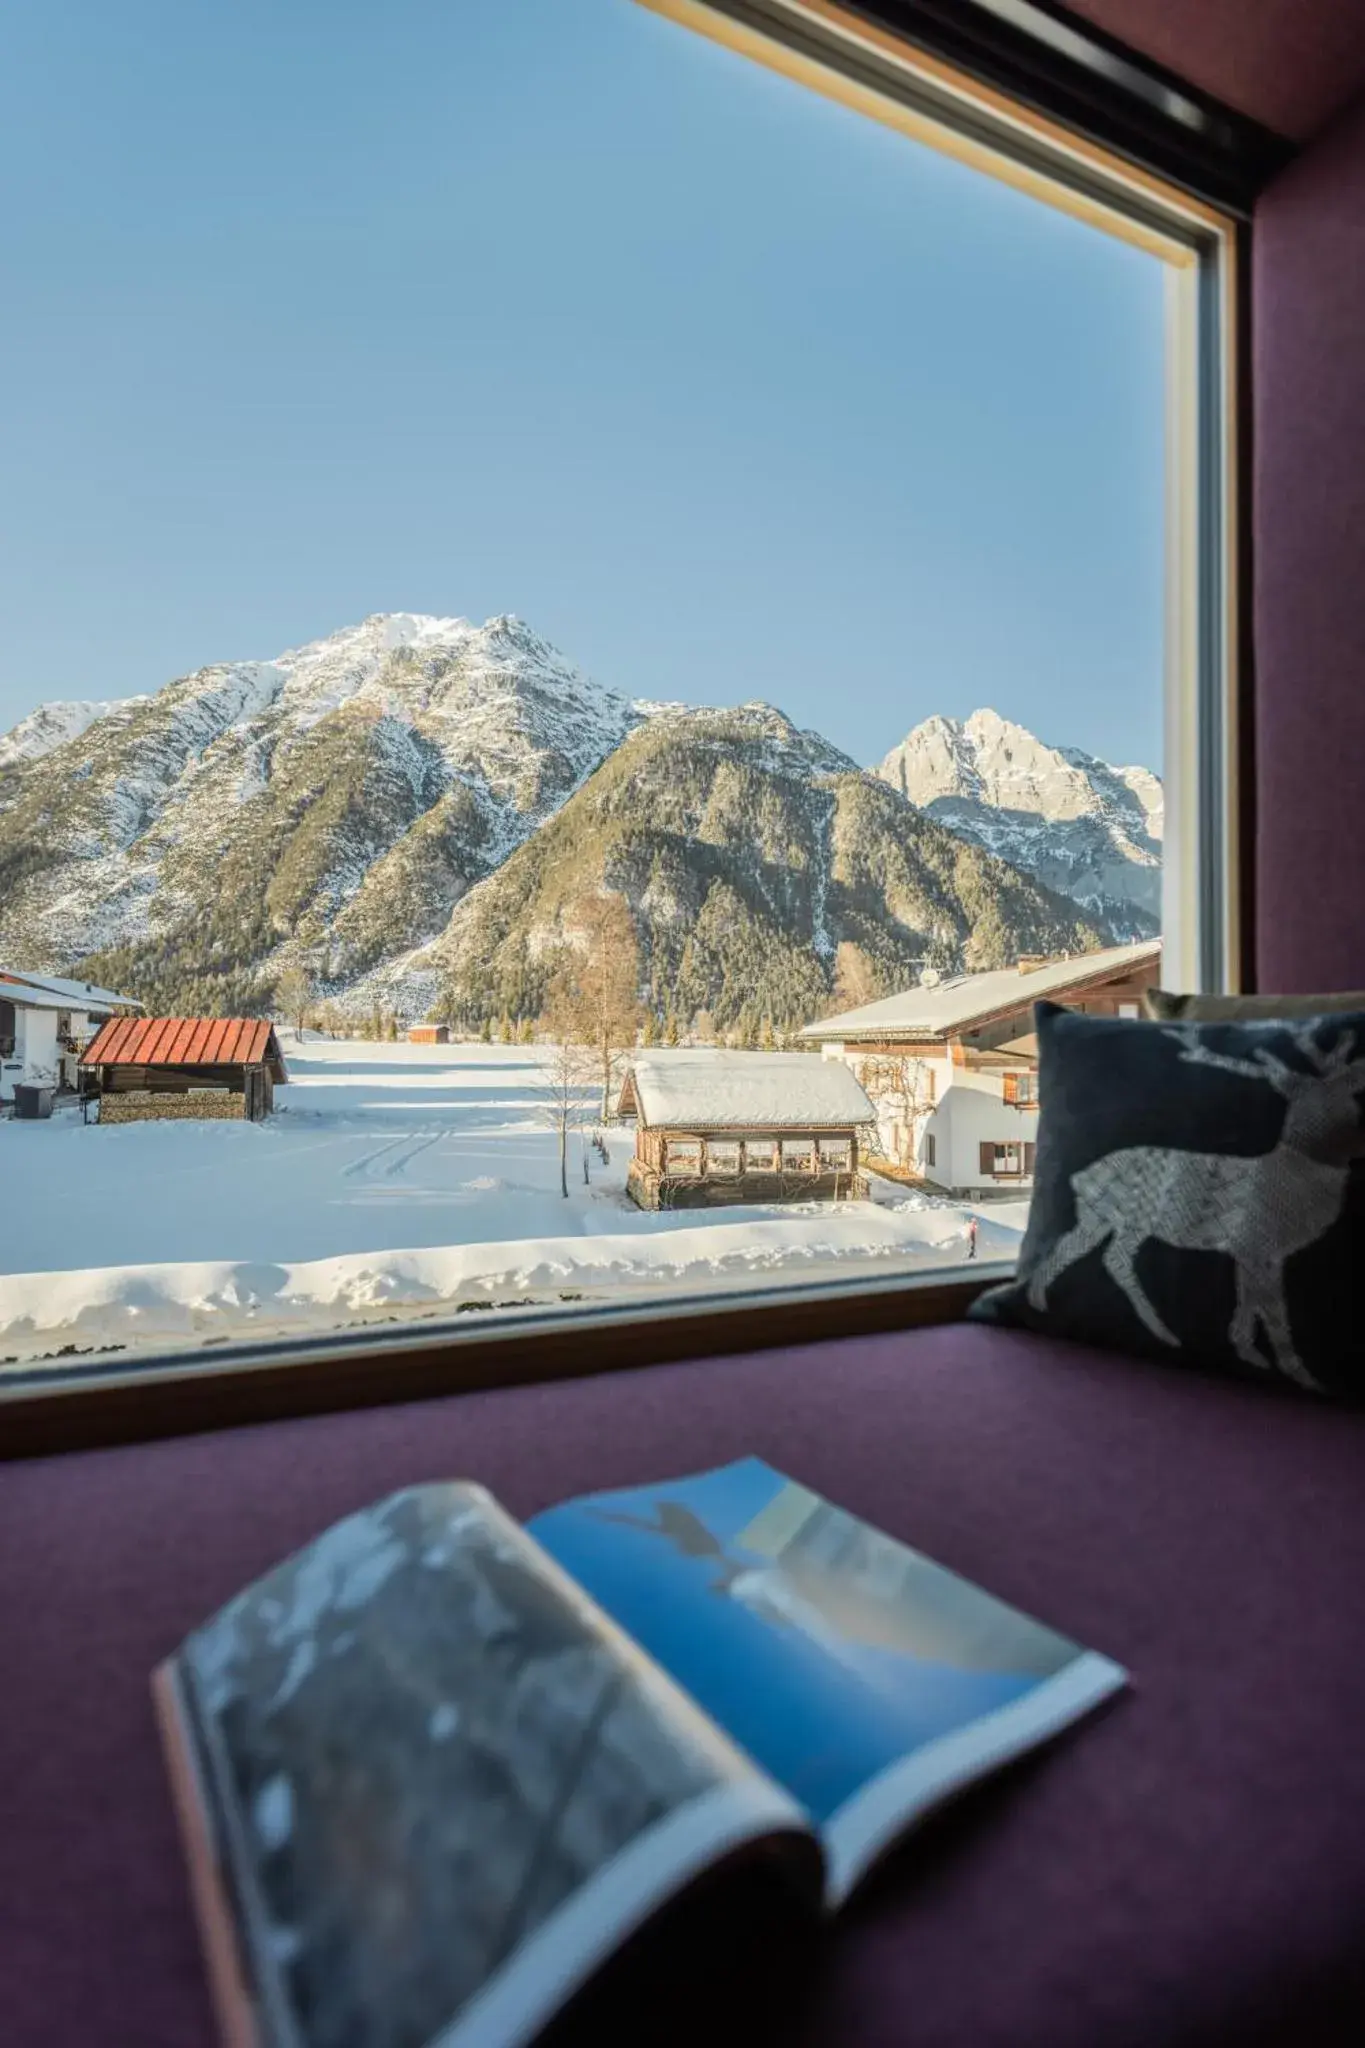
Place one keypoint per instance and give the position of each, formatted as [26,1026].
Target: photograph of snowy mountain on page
[677,931]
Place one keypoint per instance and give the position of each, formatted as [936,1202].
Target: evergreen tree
[486,1031]
[671,1032]
[505,1030]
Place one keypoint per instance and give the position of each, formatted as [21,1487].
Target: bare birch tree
[570,1066]
[597,993]
[294,994]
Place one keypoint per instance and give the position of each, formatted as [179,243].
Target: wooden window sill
[52,1409]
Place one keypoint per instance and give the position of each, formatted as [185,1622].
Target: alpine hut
[717,1127]
[143,1067]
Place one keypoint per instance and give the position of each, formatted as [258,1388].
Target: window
[1130,1009]
[999,1162]
[483,841]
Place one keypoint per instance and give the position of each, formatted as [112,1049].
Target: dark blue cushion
[1196,1196]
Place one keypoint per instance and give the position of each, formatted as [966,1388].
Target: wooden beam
[53,1410]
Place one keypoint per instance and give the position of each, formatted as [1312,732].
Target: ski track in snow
[394,1179]
[391,1160]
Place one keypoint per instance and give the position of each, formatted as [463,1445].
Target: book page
[440,1786]
[867,1679]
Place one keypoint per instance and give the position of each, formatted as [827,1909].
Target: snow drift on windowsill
[198,1302]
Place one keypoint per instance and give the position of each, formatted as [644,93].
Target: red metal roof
[183,1042]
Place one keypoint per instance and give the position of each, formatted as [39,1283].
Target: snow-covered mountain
[51,725]
[338,799]
[1085,829]
[762,867]
[411,807]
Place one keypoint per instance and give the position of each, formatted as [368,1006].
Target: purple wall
[1309,379]
[1289,63]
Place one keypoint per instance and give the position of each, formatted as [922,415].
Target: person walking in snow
[971,1237]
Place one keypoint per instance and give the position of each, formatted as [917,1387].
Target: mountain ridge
[401,805]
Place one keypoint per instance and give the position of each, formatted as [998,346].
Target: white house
[45,1022]
[952,1066]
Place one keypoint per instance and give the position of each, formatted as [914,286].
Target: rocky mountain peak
[1086,829]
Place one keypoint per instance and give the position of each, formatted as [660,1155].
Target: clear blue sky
[320,308]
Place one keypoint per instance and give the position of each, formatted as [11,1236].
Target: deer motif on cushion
[1259,1211]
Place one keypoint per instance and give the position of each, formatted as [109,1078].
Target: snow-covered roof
[743,1091]
[24,997]
[72,995]
[966,1000]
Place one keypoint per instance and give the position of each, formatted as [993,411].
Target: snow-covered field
[394,1179]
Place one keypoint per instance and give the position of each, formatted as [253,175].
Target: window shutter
[987,1159]
[1011,1088]
[1030,1154]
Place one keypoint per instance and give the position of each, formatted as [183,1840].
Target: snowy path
[392,1174]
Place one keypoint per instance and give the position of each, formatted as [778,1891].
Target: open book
[436,1769]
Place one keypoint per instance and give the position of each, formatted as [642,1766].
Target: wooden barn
[718,1127]
[145,1067]
[429,1034]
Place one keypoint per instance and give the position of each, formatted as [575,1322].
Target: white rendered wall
[977,1113]
[36,1045]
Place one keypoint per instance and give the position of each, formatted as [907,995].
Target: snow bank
[200,1301]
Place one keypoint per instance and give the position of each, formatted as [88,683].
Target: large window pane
[571,604]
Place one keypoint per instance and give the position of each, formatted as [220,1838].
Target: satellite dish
[929,977]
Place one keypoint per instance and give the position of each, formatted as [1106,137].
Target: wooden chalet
[429,1034]
[719,1127]
[148,1067]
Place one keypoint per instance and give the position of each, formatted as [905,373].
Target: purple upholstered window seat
[1188,1867]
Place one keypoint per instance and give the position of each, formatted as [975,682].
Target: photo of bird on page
[835,1655]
